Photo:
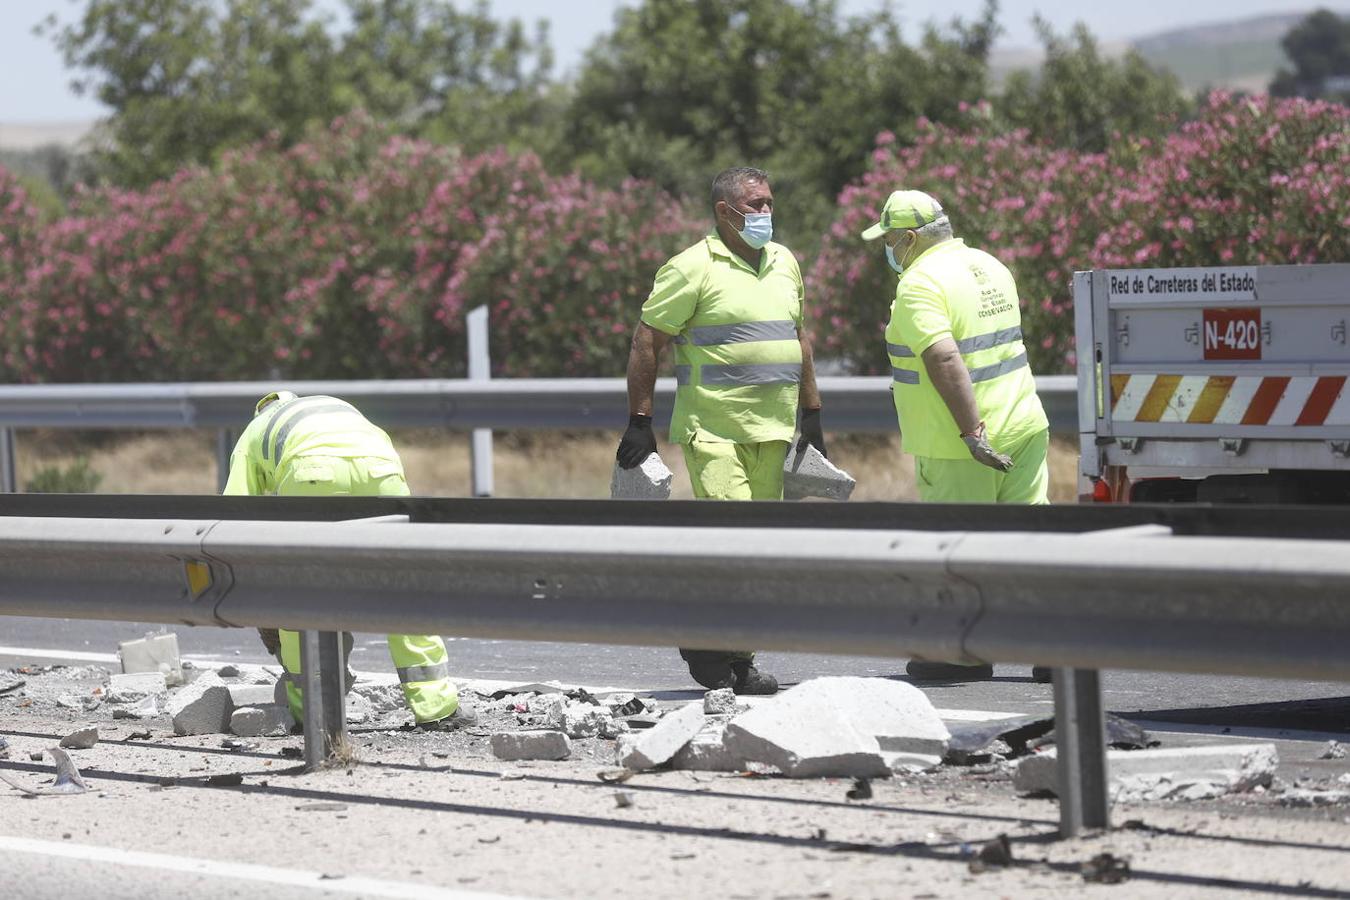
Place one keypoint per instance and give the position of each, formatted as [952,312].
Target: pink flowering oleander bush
[1250,181]
[354,254]
[19,227]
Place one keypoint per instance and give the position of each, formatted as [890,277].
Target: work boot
[932,670]
[1042,674]
[750,680]
[462,717]
[710,668]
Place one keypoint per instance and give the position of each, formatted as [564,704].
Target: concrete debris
[80,702]
[993,854]
[1175,773]
[581,720]
[722,702]
[547,706]
[357,710]
[80,740]
[810,474]
[263,720]
[648,481]
[10,682]
[383,696]
[250,695]
[1106,868]
[135,688]
[202,707]
[976,742]
[1302,798]
[805,740]
[531,744]
[839,726]
[148,708]
[153,653]
[643,720]
[615,776]
[657,745]
[861,790]
[707,752]
[910,763]
[625,704]
[1334,750]
[623,799]
[68,778]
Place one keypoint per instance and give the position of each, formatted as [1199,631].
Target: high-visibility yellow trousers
[421,660]
[967,481]
[719,471]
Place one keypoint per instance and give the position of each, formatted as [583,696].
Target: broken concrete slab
[707,752]
[810,474]
[153,653]
[911,763]
[267,720]
[656,745]
[580,720]
[1172,773]
[80,740]
[648,481]
[805,740]
[721,702]
[898,715]
[202,707]
[148,708]
[135,688]
[533,743]
[251,695]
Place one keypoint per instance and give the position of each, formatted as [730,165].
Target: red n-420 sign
[1232,333]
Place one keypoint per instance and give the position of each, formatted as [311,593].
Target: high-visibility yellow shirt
[292,429]
[965,294]
[738,357]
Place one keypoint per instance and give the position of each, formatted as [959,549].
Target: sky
[34,84]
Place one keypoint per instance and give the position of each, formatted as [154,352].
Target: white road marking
[976,715]
[77,655]
[368,887]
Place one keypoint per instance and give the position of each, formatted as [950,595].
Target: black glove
[811,433]
[638,442]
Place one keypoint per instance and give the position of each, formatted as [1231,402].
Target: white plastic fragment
[648,481]
[809,474]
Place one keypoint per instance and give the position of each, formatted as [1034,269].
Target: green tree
[682,88]
[1319,48]
[186,79]
[1079,98]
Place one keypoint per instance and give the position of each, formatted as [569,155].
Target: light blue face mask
[891,260]
[758,229]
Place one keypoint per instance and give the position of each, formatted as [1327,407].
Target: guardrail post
[9,484]
[324,689]
[480,369]
[224,447]
[1080,740]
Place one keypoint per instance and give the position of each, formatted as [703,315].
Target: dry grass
[527,464]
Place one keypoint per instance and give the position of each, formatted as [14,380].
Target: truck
[1223,384]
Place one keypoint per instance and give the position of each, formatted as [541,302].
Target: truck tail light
[1101,491]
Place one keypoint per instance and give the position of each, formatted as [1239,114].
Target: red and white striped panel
[1230,399]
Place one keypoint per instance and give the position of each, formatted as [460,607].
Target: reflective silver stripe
[753,373]
[272,423]
[740,333]
[285,430]
[682,374]
[984,373]
[410,674]
[904,376]
[992,339]
[968,345]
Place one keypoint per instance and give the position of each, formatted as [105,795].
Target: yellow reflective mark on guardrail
[198,577]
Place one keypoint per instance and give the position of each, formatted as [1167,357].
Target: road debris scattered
[68,778]
[1178,773]
[80,740]
[810,474]
[1106,868]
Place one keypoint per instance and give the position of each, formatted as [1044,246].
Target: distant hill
[1235,53]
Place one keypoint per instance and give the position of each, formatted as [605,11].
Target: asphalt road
[1255,706]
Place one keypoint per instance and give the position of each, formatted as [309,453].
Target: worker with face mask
[320,447]
[963,390]
[732,306]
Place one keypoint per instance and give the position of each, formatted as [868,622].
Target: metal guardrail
[853,404]
[1158,602]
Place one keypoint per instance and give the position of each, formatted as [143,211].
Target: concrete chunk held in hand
[648,481]
[809,474]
